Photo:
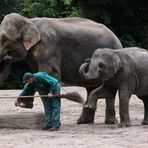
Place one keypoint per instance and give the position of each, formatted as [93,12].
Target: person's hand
[50,95]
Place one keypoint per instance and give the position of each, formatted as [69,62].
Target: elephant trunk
[82,71]
[1,57]
[4,71]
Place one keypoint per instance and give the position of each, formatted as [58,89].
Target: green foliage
[48,8]
[127,19]
[128,41]
[67,2]
[7,6]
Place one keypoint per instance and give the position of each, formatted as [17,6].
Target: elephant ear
[116,64]
[31,35]
[17,26]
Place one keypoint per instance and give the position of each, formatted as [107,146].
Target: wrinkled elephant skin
[55,46]
[124,70]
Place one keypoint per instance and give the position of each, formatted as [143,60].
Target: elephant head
[103,65]
[17,35]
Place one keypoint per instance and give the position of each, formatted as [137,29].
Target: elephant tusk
[7,57]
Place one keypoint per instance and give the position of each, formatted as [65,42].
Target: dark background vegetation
[128,19]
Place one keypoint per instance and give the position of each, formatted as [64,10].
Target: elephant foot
[144,122]
[124,124]
[110,116]
[87,116]
[111,121]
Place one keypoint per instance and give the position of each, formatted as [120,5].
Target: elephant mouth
[103,77]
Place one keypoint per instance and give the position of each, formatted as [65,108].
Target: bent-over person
[45,85]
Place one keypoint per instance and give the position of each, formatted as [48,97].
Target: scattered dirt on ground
[71,135]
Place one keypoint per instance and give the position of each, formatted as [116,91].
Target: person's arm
[28,90]
[50,95]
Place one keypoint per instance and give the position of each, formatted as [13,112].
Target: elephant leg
[87,115]
[124,97]
[88,112]
[90,106]
[145,102]
[110,113]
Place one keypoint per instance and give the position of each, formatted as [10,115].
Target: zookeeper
[45,85]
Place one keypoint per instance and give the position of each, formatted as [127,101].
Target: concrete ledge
[25,120]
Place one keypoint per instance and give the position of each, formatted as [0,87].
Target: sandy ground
[71,135]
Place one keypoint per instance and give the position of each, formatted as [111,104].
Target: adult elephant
[124,70]
[57,47]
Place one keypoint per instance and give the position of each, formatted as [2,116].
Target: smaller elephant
[124,70]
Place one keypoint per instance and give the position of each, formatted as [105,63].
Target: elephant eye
[3,40]
[101,65]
